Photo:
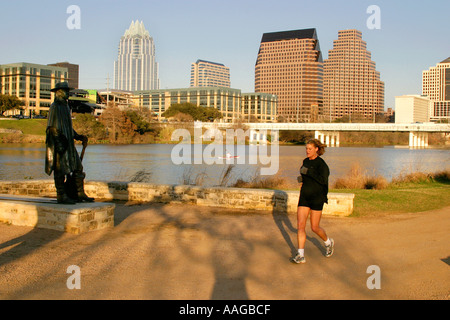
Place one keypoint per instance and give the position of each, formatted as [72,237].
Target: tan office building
[31,83]
[412,109]
[289,65]
[436,86]
[232,104]
[259,107]
[351,86]
[209,74]
[226,100]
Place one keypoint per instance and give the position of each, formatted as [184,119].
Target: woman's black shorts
[314,203]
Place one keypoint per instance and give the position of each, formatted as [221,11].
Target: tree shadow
[26,244]
[230,262]
[230,251]
[163,261]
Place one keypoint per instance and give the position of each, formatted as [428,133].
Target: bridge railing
[423,127]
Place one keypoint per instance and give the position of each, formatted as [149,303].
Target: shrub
[356,178]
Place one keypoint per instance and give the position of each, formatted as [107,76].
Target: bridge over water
[328,133]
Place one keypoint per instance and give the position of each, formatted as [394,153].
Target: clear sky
[414,35]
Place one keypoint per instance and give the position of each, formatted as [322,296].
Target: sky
[412,36]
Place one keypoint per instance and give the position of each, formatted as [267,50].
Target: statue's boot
[79,182]
[61,195]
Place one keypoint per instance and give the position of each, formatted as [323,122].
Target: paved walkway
[188,252]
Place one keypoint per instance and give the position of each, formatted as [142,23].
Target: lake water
[122,162]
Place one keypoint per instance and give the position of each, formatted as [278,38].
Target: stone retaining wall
[256,199]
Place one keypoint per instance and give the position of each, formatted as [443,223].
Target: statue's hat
[61,85]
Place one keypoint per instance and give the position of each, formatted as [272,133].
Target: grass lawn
[27,126]
[411,197]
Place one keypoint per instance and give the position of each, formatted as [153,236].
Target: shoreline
[33,139]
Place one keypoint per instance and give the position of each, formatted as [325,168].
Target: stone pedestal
[47,213]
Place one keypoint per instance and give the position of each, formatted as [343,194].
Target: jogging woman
[313,194]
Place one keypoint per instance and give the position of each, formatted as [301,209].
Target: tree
[119,126]
[137,118]
[8,102]
[86,124]
[196,112]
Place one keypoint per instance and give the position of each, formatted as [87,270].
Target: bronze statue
[61,156]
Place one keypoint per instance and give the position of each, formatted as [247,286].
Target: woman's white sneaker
[330,249]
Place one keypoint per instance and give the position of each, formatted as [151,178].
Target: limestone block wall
[74,219]
[255,199]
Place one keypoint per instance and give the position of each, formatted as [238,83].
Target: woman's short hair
[317,144]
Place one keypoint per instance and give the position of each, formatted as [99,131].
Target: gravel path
[187,252]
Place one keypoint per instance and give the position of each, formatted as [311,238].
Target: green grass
[402,198]
[27,126]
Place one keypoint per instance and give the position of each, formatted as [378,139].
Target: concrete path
[189,252]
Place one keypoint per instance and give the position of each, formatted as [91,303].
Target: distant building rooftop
[205,61]
[289,35]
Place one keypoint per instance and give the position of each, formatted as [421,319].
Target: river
[155,164]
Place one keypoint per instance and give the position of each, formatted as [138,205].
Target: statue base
[47,213]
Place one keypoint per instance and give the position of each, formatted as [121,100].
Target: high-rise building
[351,86]
[31,83]
[136,67]
[436,86]
[74,71]
[209,74]
[290,65]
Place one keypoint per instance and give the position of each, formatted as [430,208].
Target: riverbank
[396,197]
[33,131]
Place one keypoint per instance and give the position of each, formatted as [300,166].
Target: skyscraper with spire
[136,67]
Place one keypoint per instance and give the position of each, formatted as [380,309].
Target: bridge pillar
[258,136]
[330,138]
[418,139]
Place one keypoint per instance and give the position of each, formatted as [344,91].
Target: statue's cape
[60,117]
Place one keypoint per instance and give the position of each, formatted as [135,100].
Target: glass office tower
[136,67]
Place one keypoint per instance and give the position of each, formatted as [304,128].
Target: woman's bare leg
[315,224]
[302,217]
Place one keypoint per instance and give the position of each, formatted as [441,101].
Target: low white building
[412,109]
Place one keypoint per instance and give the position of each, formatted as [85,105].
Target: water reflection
[121,162]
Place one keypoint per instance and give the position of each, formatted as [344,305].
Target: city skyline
[401,47]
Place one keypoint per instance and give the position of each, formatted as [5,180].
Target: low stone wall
[256,199]
[42,213]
